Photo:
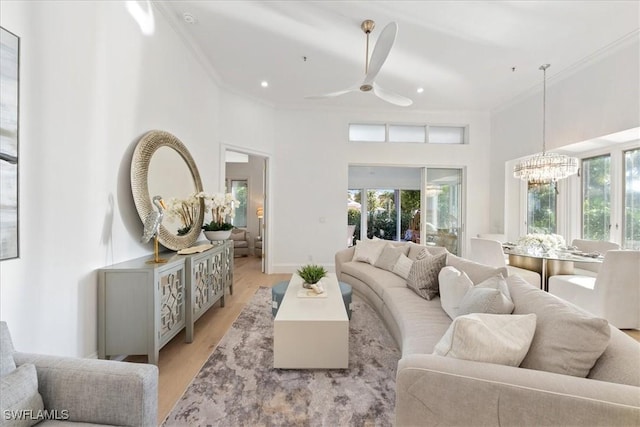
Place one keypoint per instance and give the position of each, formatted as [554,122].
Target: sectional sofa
[578,370]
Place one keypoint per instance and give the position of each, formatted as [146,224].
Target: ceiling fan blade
[381,51]
[391,97]
[333,94]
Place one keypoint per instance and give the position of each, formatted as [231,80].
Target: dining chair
[614,294]
[489,252]
[590,246]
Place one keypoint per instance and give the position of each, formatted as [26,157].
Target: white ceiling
[461,52]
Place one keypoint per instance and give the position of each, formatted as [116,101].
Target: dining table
[549,263]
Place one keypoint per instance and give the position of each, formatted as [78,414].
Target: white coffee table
[313,332]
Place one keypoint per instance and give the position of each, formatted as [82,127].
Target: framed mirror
[162,165]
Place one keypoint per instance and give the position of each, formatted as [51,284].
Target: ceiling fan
[372,67]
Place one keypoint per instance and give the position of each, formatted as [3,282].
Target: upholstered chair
[69,390]
[491,236]
[590,246]
[613,294]
[489,252]
[240,239]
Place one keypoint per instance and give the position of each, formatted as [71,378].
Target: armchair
[600,246]
[240,239]
[614,294]
[489,252]
[74,390]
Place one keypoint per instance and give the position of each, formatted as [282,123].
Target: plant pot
[217,235]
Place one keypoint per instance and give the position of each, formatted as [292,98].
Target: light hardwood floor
[179,362]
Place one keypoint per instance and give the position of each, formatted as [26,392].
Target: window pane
[446,134]
[541,208]
[631,233]
[367,133]
[239,191]
[596,198]
[354,207]
[444,207]
[409,212]
[402,133]
[381,214]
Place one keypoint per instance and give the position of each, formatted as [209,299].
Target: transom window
[418,133]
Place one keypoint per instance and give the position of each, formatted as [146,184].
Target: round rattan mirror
[172,150]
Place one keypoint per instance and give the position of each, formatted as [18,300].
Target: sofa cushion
[415,250]
[454,285]
[368,250]
[389,256]
[477,272]
[378,280]
[19,392]
[7,364]
[568,340]
[490,338]
[421,322]
[403,266]
[423,277]
[490,296]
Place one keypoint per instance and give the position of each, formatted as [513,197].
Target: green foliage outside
[541,208]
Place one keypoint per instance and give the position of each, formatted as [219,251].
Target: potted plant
[311,274]
[222,206]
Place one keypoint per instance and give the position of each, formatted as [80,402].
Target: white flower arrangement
[545,242]
[185,211]
[221,206]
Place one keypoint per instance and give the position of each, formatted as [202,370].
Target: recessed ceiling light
[420,90]
[189,18]
[264,83]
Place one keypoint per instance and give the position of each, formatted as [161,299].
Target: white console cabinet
[142,306]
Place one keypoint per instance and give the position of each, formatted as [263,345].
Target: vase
[217,235]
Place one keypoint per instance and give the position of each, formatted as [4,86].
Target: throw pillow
[19,391]
[415,250]
[423,276]
[477,272]
[491,296]
[568,340]
[368,250]
[403,266]
[490,338]
[454,285]
[389,256]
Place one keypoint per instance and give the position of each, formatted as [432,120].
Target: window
[596,198]
[541,208]
[418,133]
[446,135]
[405,133]
[631,228]
[239,189]
[367,133]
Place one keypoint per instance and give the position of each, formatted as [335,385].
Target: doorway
[246,177]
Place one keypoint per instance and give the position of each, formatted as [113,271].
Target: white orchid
[221,206]
[184,210]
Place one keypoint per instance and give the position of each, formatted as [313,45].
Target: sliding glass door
[394,211]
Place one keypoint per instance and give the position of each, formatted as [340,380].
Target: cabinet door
[217,274]
[172,303]
[201,274]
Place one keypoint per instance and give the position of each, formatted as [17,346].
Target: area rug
[238,386]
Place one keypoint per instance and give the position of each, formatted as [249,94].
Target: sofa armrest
[343,256]
[435,390]
[97,391]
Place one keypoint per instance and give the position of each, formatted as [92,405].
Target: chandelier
[545,168]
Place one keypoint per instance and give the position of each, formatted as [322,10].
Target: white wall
[600,97]
[91,85]
[310,173]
